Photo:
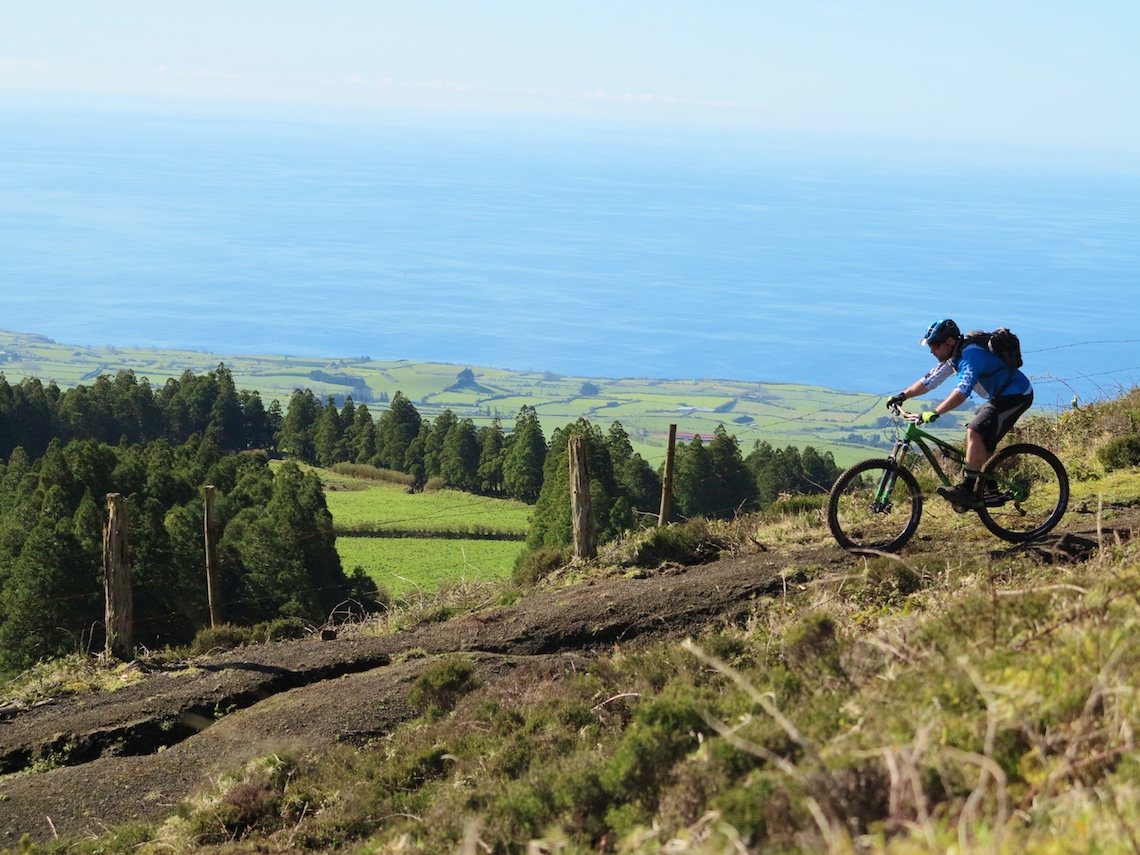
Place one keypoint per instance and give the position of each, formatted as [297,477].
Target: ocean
[584,251]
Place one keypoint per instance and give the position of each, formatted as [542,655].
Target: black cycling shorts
[996,416]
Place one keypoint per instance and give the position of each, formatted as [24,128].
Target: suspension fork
[887,482]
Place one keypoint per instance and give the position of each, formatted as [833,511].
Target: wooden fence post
[119,612]
[666,515]
[213,583]
[585,540]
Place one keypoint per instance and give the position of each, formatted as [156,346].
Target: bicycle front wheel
[1025,491]
[875,504]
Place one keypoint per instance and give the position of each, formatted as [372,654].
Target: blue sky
[1043,72]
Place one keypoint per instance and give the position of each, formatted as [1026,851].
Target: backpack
[1001,343]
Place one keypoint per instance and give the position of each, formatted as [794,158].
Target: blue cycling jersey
[980,371]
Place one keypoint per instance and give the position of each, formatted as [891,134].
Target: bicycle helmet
[939,331]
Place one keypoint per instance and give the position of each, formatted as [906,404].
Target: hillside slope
[81,764]
[134,753]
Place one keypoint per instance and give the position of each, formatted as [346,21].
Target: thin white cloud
[217,75]
[20,64]
[447,84]
[598,95]
[643,98]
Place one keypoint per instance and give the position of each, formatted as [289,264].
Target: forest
[63,451]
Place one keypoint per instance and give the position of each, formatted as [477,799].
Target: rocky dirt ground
[133,754]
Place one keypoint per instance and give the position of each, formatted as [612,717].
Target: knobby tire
[854,521]
[1042,478]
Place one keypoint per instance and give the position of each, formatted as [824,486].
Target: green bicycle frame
[912,434]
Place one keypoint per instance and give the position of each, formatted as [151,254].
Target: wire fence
[252,600]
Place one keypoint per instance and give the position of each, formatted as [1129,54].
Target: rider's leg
[992,421]
[976,451]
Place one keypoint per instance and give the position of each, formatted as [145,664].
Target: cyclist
[1007,391]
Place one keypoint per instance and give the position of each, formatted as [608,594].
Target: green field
[405,565]
[843,423]
[382,507]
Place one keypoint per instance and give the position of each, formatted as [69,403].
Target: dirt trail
[220,711]
[134,754]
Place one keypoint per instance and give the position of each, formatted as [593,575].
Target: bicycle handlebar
[905,415]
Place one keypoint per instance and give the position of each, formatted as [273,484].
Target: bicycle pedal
[959,499]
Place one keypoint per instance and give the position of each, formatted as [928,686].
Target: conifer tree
[328,447]
[637,482]
[733,488]
[257,428]
[36,412]
[50,597]
[134,408]
[525,457]
[226,417]
[395,430]
[489,475]
[274,419]
[360,436]
[459,457]
[414,456]
[433,445]
[296,438]
[188,404]
[551,523]
[712,480]
[693,469]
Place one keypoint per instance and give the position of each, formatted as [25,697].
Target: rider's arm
[954,400]
[915,389]
[933,378]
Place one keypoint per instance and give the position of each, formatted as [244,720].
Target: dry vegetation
[960,697]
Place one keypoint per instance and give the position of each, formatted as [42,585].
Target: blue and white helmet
[939,331]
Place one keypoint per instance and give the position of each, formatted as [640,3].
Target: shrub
[796,505]
[1123,452]
[890,579]
[251,803]
[812,648]
[746,808]
[536,564]
[280,629]
[240,810]
[374,473]
[662,732]
[443,684]
[225,636]
[688,543]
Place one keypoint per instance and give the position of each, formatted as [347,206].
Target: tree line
[276,550]
[711,478]
[123,408]
[63,451]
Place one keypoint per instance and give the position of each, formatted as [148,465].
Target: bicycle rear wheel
[875,504]
[1025,491]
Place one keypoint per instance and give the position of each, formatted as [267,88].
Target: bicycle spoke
[1025,491]
[862,516]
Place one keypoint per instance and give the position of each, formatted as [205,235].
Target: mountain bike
[1021,494]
